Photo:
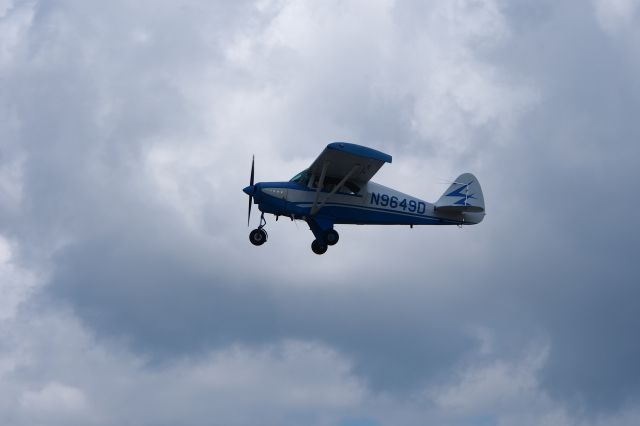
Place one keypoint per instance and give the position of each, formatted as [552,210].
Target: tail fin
[464,195]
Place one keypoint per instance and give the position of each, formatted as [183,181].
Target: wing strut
[325,165]
[317,206]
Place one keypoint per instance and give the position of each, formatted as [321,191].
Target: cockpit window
[302,177]
[329,183]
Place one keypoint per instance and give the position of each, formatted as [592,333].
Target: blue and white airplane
[337,189]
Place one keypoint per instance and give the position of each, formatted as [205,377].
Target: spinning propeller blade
[253,159]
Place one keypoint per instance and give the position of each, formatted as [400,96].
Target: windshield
[301,177]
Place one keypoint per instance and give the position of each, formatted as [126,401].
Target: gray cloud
[126,135]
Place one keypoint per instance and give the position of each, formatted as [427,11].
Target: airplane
[337,189]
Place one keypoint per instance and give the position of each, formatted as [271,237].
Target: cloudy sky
[130,294]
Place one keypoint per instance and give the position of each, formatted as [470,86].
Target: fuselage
[373,204]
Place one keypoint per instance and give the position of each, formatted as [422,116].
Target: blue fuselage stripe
[348,213]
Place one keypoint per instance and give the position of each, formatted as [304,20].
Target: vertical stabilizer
[464,195]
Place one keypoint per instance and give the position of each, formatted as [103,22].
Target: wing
[355,162]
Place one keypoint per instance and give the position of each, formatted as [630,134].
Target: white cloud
[16,283]
[615,16]
[53,403]
[15,21]
[497,387]
[57,373]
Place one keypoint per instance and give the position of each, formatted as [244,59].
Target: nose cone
[249,190]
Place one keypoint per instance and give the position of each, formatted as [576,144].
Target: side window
[330,183]
[352,187]
[348,188]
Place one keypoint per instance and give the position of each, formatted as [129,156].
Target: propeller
[253,159]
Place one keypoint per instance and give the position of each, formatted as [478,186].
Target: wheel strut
[259,236]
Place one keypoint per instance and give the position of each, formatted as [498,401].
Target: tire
[258,237]
[318,248]
[331,237]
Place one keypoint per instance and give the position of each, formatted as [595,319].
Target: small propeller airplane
[337,189]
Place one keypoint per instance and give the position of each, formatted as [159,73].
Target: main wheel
[331,237]
[318,248]
[258,237]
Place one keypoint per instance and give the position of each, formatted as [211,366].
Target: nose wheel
[259,236]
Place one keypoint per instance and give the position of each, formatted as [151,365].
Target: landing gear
[331,237]
[322,229]
[259,236]
[318,247]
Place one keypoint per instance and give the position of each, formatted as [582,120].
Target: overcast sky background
[129,293]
